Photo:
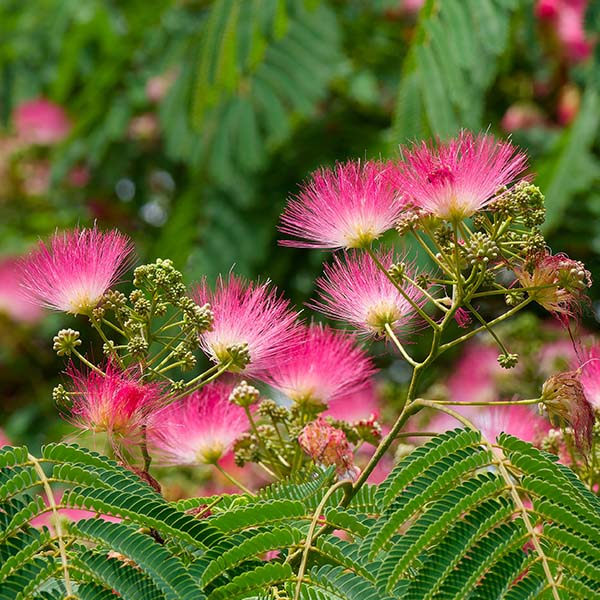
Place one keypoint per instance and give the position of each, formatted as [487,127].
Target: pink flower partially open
[252,324]
[328,446]
[454,180]
[12,301]
[199,429]
[355,290]
[41,122]
[347,207]
[557,283]
[322,365]
[75,269]
[117,403]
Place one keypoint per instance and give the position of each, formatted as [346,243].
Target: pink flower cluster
[355,203]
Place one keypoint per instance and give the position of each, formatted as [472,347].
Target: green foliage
[456,518]
[451,64]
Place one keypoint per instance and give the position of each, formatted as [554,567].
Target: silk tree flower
[355,290]
[40,121]
[558,283]
[322,365]
[252,325]
[199,429]
[117,403]
[12,302]
[347,207]
[456,179]
[75,269]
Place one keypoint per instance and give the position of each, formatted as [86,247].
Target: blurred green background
[188,123]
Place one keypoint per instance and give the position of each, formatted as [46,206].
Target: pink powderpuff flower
[252,325]
[322,365]
[41,122]
[557,283]
[356,290]
[454,180]
[75,269]
[116,403]
[199,429]
[12,302]
[347,207]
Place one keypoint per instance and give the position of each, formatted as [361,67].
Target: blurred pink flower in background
[566,17]
[569,102]
[590,376]
[12,300]
[79,176]
[47,519]
[158,86]
[522,115]
[355,406]
[4,441]
[519,421]
[41,122]
[473,378]
[412,6]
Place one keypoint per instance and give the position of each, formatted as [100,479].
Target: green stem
[400,347]
[311,532]
[487,327]
[495,321]
[144,449]
[113,326]
[85,361]
[109,344]
[415,306]
[232,479]
[494,403]
[499,462]
[58,525]
[436,260]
